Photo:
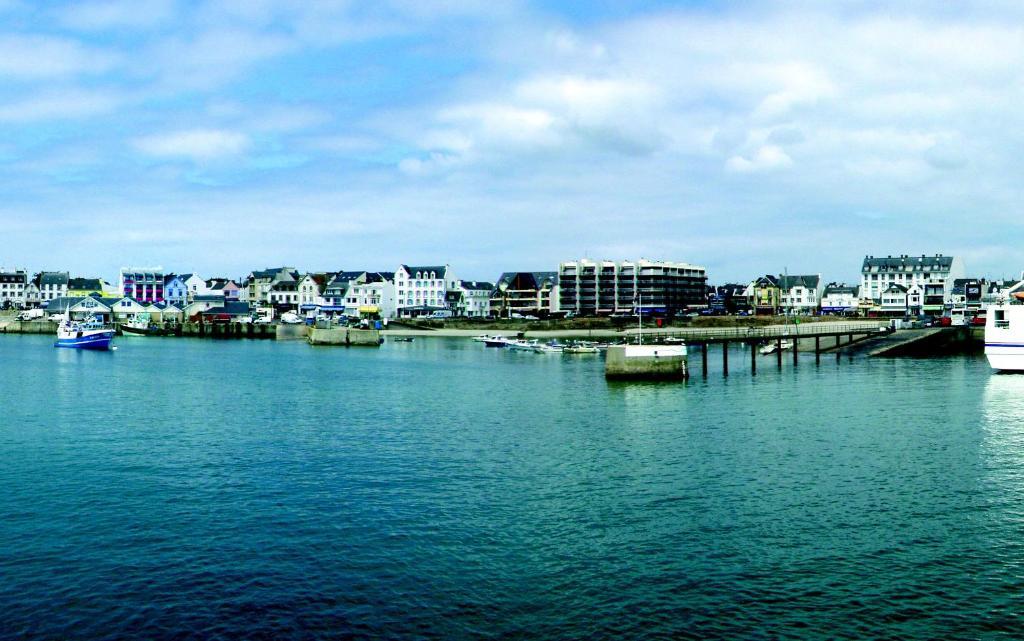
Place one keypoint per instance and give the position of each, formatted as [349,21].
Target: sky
[220,137]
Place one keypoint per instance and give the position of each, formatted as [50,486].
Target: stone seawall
[344,336]
[28,327]
[291,332]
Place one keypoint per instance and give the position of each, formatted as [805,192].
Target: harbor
[446,471]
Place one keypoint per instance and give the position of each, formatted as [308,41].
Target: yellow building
[79,287]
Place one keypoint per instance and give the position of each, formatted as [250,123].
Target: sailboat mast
[640,314]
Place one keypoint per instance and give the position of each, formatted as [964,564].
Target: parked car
[978,321]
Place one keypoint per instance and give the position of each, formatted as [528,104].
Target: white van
[31,314]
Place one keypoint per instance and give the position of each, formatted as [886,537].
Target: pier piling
[753,358]
[796,349]
[704,359]
[778,352]
[725,358]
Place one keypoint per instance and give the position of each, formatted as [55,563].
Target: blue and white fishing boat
[90,334]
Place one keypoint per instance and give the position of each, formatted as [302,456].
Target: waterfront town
[890,286]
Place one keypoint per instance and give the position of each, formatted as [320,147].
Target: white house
[476,298]
[421,289]
[260,283]
[46,286]
[894,300]
[224,287]
[839,298]
[12,287]
[801,294]
[125,308]
[284,293]
[310,291]
[374,296]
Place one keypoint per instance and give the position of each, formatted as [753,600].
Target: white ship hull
[1004,337]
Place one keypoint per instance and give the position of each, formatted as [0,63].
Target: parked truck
[263,316]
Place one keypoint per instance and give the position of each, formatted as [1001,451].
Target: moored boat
[140,325]
[773,347]
[1004,336]
[551,347]
[523,345]
[90,334]
[580,348]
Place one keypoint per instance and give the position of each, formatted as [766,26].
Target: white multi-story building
[933,275]
[801,294]
[839,298]
[310,290]
[12,287]
[144,284]
[475,300]
[260,283]
[44,287]
[374,294]
[421,290]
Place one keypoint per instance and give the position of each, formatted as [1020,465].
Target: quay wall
[291,332]
[226,330]
[344,336]
[28,327]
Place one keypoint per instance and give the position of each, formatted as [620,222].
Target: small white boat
[581,348]
[523,345]
[774,346]
[553,347]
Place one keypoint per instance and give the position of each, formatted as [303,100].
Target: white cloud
[34,57]
[195,144]
[116,14]
[766,158]
[68,104]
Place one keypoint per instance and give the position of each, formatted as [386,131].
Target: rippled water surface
[437,489]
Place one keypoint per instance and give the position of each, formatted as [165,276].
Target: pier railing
[803,330]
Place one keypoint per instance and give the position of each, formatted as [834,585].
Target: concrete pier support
[778,352]
[704,359]
[796,349]
[652,362]
[753,358]
[725,358]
